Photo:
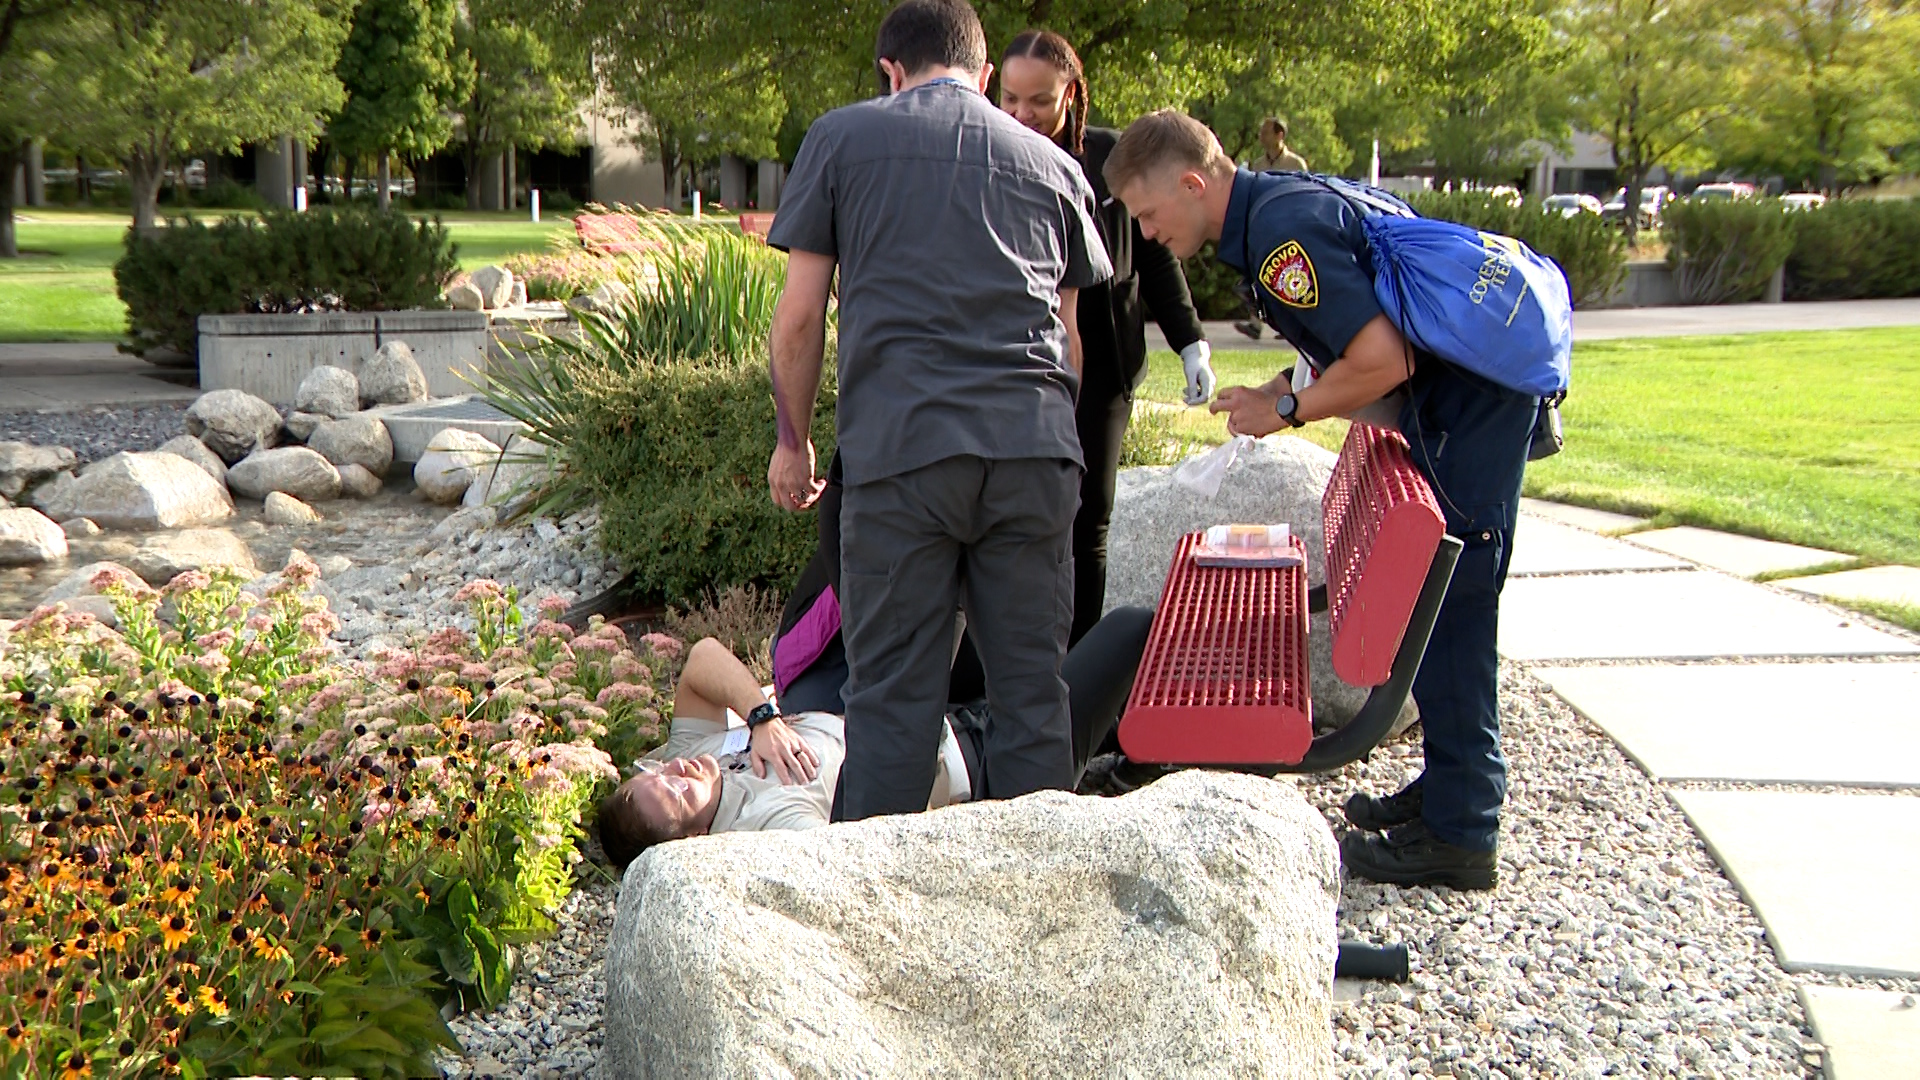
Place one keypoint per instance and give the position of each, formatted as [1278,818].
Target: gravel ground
[97,433]
[1614,946]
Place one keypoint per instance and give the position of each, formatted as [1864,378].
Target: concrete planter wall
[268,355]
[1649,283]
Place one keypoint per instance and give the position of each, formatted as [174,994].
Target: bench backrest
[756,224]
[1382,529]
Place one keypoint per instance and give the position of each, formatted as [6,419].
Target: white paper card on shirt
[736,742]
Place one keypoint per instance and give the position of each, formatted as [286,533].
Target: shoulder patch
[1288,275]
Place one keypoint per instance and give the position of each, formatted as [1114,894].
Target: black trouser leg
[1101,415]
[1099,672]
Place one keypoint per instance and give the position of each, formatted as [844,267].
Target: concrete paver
[1541,546]
[1745,556]
[1831,876]
[1853,724]
[79,375]
[1680,614]
[1600,521]
[1888,584]
[1743,319]
[1869,1034]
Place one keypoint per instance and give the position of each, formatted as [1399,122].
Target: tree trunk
[512,183]
[144,173]
[383,170]
[1630,212]
[82,186]
[11,156]
[346,177]
[470,158]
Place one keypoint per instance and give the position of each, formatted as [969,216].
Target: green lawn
[1810,438]
[61,288]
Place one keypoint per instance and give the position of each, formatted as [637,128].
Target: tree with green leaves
[27,29]
[401,76]
[525,93]
[148,81]
[1652,77]
[1818,90]
[1495,97]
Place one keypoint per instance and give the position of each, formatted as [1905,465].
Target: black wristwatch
[762,713]
[1286,407]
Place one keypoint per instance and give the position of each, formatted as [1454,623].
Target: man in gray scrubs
[961,240]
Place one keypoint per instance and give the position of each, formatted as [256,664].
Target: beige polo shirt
[750,803]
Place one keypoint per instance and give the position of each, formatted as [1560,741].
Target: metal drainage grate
[468,409]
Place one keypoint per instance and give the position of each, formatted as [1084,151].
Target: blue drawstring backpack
[1486,302]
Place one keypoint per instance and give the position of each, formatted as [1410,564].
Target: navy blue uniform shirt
[1304,250]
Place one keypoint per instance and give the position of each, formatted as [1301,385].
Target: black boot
[1376,813]
[1412,855]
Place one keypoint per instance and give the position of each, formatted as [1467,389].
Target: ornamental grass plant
[660,411]
[225,850]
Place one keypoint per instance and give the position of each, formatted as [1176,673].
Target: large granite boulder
[296,470]
[161,558]
[140,491]
[23,465]
[510,483]
[448,465]
[328,391]
[495,284]
[29,536]
[79,583]
[357,440]
[392,376]
[196,451]
[356,482]
[284,509]
[1276,479]
[1186,929]
[301,425]
[463,296]
[233,423]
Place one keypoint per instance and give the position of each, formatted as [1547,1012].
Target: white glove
[1196,358]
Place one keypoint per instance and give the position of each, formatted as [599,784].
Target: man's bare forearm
[798,349]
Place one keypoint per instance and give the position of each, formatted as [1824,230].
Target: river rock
[196,451]
[23,465]
[76,528]
[1186,929]
[463,296]
[357,440]
[1276,479]
[140,491]
[28,536]
[233,423]
[510,482]
[80,582]
[495,284]
[463,522]
[392,376]
[329,391]
[300,425]
[159,559]
[356,482]
[447,467]
[284,509]
[296,470]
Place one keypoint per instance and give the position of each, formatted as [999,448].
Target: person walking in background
[961,239]
[1278,156]
[1043,85]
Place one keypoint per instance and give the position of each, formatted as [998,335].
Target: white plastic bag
[1202,475]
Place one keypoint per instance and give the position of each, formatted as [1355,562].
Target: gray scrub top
[955,228]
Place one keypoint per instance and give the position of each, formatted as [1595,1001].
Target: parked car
[1804,200]
[1722,192]
[1653,200]
[1571,205]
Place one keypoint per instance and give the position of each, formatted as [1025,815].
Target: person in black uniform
[1302,249]
[1043,86]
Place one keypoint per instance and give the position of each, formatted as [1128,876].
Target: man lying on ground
[771,771]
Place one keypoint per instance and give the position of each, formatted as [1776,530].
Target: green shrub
[661,411]
[1154,438]
[1591,252]
[1726,252]
[1212,282]
[1855,250]
[327,259]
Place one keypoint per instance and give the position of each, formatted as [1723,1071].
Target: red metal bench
[756,224]
[1224,678]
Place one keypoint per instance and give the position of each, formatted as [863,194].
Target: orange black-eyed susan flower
[180,1000]
[16,1036]
[176,931]
[268,949]
[214,1000]
[76,1066]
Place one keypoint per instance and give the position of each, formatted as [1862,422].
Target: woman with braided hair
[1043,85]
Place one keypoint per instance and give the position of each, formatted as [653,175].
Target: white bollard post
[533,203]
[1373,169]
[696,204]
[300,198]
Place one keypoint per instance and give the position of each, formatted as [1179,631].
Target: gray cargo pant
[993,538]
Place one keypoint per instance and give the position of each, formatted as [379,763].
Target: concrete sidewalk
[62,376]
[1661,322]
